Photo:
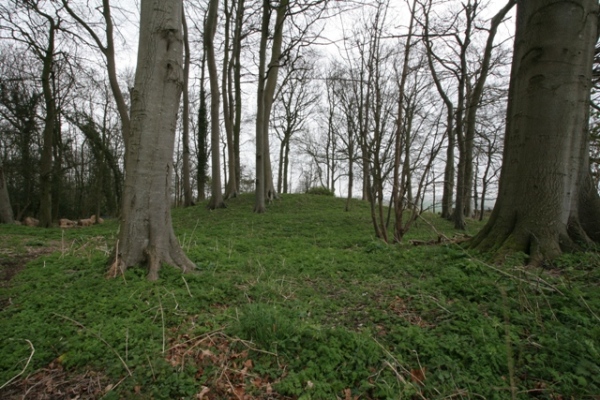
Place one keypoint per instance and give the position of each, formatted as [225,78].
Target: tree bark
[45,212]
[201,148]
[546,204]
[269,95]
[231,189]
[216,198]
[6,212]
[185,173]
[260,205]
[146,232]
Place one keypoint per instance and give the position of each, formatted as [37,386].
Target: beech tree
[547,203]
[210,27]
[146,232]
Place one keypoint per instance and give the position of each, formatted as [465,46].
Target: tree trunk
[216,198]
[269,94]
[546,204]
[45,212]
[231,190]
[146,232]
[6,212]
[474,102]
[237,82]
[260,205]
[185,173]
[201,149]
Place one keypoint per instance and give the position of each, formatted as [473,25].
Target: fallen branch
[24,368]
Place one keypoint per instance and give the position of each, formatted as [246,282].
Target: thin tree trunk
[202,153]
[187,188]
[260,204]
[402,138]
[269,93]
[237,79]
[231,190]
[45,212]
[216,199]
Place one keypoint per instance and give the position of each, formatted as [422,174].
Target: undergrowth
[301,302]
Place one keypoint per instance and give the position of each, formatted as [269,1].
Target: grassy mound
[299,303]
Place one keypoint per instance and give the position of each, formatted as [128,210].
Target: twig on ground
[79,324]
[186,286]
[24,368]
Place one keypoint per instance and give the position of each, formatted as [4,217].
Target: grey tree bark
[146,232]
[546,203]
[47,57]
[185,137]
[201,147]
[210,27]
[231,189]
[259,204]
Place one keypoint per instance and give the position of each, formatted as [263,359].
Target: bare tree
[185,138]
[146,233]
[108,51]
[210,27]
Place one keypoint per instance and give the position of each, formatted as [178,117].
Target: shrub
[320,190]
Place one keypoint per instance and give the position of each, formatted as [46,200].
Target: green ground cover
[301,302]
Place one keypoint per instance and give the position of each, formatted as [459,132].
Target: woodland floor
[299,303]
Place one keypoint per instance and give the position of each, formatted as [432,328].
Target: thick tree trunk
[546,204]
[146,233]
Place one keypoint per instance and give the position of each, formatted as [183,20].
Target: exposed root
[117,268]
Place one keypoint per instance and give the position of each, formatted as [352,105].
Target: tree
[146,232]
[31,24]
[267,81]
[19,102]
[296,96]
[6,213]
[108,50]
[546,202]
[231,189]
[210,27]
[187,188]
[470,75]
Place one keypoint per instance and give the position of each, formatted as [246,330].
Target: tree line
[407,118]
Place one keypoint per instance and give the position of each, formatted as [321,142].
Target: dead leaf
[418,375]
[202,393]
[348,394]
[239,392]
